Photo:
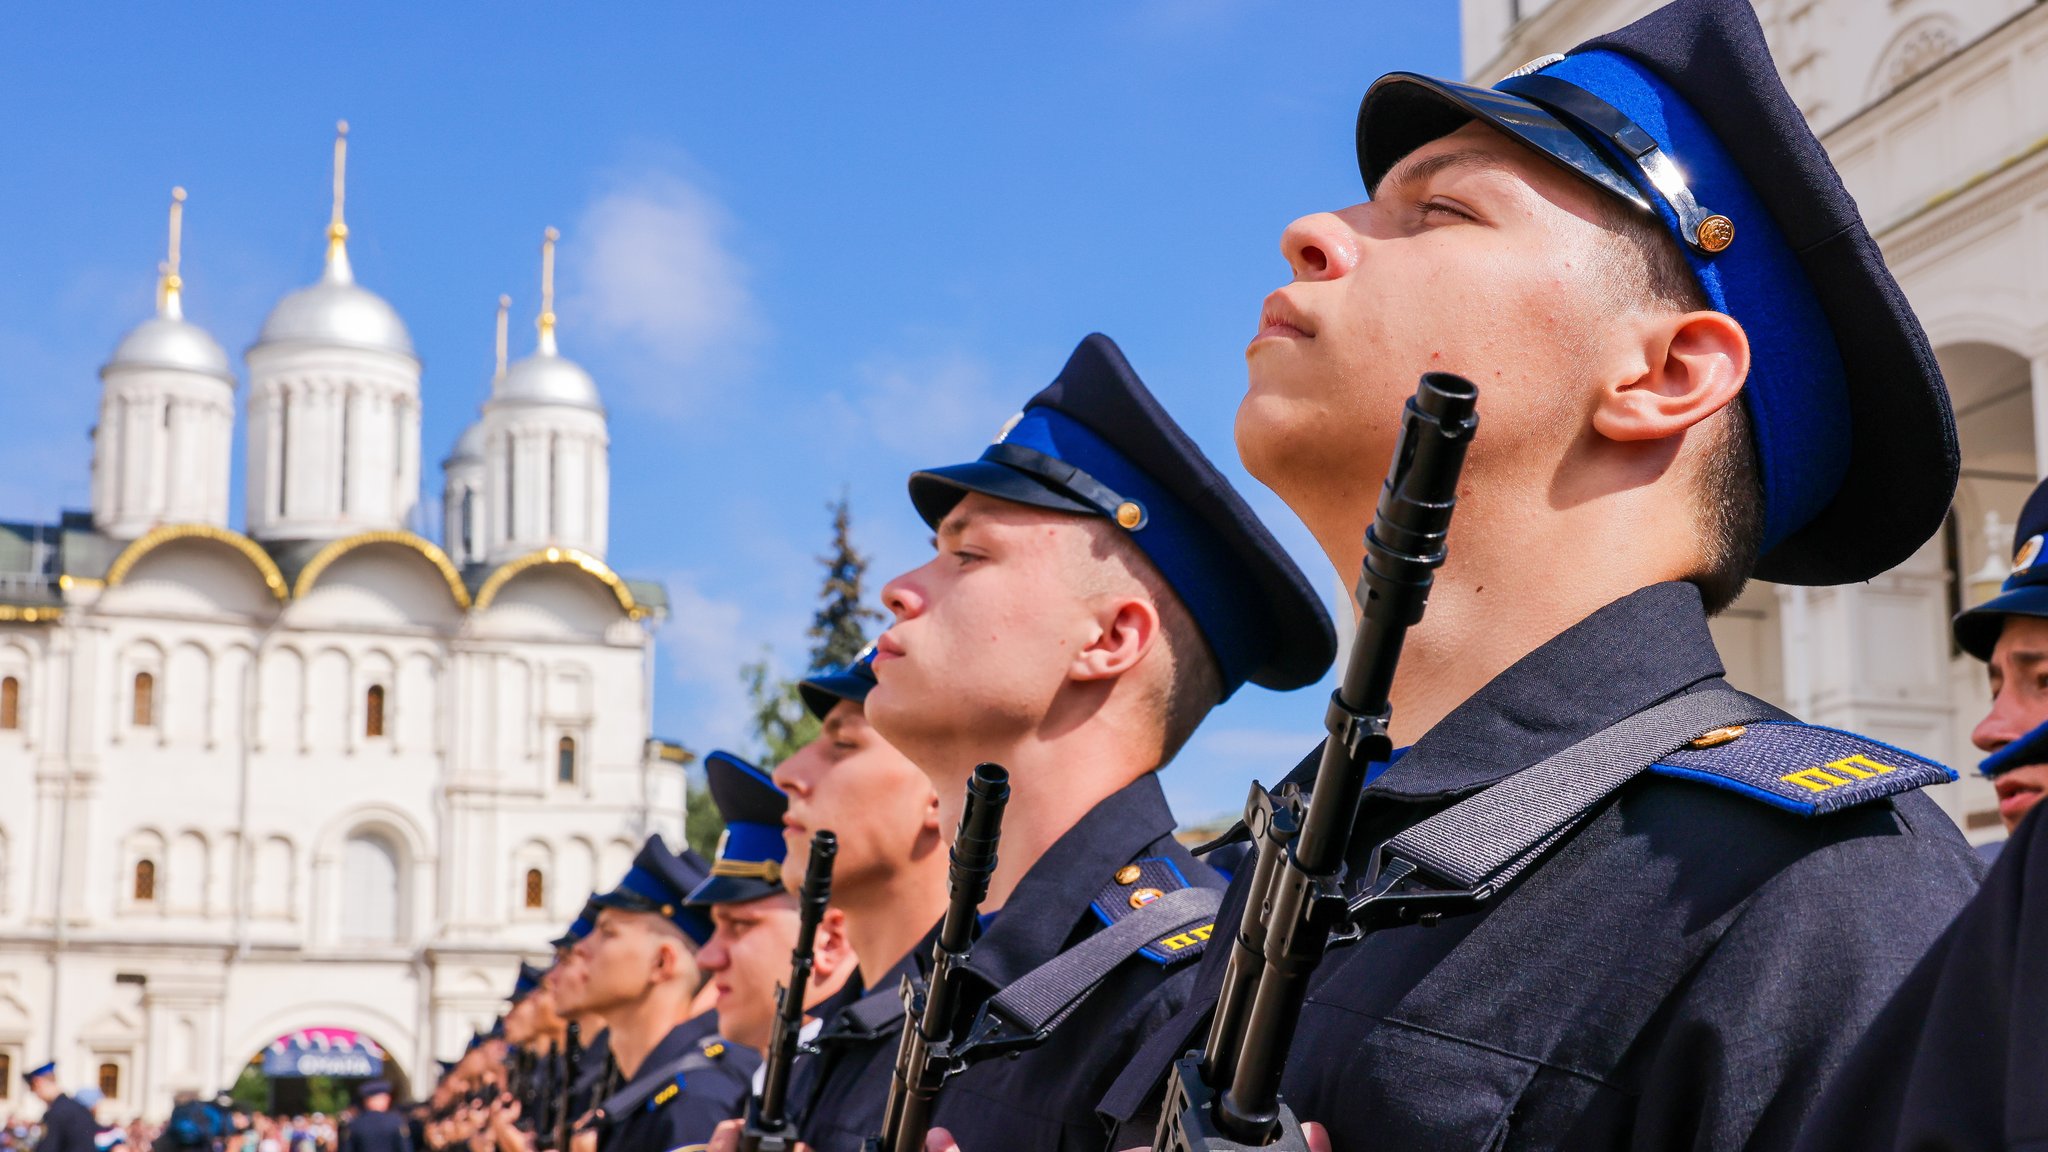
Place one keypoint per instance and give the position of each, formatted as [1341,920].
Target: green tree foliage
[780,722]
[701,824]
[251,1092]
[839,629]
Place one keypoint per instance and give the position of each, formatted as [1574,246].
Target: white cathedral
[323,773]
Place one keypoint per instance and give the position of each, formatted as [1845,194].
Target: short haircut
[1648,268]
[1193,683]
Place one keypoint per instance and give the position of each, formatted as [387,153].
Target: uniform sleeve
[1944,1066]
[1792,984]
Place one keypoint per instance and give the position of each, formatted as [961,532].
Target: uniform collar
[680,1040]
[1638,650]
[1041,915]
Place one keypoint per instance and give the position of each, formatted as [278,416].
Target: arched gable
[386,577]
[564,557]
[134,554]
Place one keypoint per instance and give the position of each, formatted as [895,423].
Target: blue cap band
[752,842]
[1200,568]
[1798,391]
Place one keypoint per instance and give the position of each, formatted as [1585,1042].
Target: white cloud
[651,270]
[933,407]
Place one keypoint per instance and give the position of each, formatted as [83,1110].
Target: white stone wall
[334,441]
[161,450]
[262,801]
[547,479]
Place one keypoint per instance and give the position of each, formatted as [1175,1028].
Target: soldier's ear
[832,951]
[1129,626]
[1692,365]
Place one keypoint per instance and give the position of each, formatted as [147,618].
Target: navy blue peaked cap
[585,921]
[48,1068]
[824,691]
[660,882]
[2024,593]
[527,983]
[1095,442]
[749,864]
[1682,113]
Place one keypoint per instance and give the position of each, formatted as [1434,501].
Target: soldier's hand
[726,1137]
[584,1141]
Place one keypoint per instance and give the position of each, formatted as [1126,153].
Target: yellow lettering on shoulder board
[665,1095]
[1188,939]
[1857,767]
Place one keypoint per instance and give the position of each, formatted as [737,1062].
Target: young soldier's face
[746,957]
[986,633]
[856,784]
[1477,257]
[624,957]
[2019,704]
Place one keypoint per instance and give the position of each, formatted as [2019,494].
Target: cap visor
[731,890]
[1403,111]
[1977,629]
[935,491]
[821,694]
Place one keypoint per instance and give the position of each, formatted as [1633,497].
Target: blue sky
[802,252]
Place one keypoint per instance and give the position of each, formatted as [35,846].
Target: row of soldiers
[1554,885]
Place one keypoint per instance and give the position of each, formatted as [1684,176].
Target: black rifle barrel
[768,1128]
[572,1067]
[1296,889]
[921,1061]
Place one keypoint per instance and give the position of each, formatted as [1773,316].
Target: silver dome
[469,445]
[337,312]
[168,342]
[547,378]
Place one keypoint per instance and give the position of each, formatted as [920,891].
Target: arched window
[110,1081]
[536,888]
[145,700]
[373,711]
[565,760]
[145,881]
[10,703]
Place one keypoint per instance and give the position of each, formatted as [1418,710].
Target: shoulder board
[1137,884]
[1802,768]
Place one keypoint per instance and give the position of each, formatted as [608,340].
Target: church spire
[338,270]
[169,285]
[547,292]
[504,308]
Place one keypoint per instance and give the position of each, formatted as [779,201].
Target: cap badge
[1130,515]
[2028,553]
[1128,874]
[1144,896]
[1715,737]
[1715,233]
[1009,426]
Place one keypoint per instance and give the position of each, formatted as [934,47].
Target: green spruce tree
[839,629]
[780,722]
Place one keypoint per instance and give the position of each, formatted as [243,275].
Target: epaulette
[1802,768]
[708,1049]
[1139,883]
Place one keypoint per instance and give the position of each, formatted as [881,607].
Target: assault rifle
[924,1056]
[1226,1094]
[768,1128]
[572,1066]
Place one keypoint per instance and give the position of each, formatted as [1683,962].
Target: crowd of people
[1602,899]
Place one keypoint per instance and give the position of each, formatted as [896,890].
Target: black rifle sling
[635,1094]
[1489,839]
[1037,1001]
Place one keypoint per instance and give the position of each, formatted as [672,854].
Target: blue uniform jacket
[1959,1059]
[681,1110]
[837,1092]
[1045,1099]
[68,1126]
[1683,972]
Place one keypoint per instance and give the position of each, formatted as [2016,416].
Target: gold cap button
[1128,874]
[1716,233]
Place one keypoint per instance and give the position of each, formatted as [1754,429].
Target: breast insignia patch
[1804,768]
[1138,884]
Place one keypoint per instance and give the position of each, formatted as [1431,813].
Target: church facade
[1936,114]
[322,773]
